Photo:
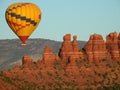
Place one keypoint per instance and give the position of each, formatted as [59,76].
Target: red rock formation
[77,53]
[70,49]
[72,75]
[119,43]
[57,57]
[113,45]
[26,60]
[75,44]
[66,48]
[95,48]
[48,56]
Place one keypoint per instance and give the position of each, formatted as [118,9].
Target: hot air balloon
[23,18]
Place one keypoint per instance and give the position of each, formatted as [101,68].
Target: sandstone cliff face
[95,48]
[77,53]
[70,49]
[113,45]
[66,48]
[26,60]
[48,57]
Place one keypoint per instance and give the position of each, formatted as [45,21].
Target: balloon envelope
[23,18]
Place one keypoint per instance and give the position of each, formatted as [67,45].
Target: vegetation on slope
[95,76]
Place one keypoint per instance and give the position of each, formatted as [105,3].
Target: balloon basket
[23,44]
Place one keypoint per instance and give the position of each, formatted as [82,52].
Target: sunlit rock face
[70,49]
[48,57]
[113,45]
[95,48]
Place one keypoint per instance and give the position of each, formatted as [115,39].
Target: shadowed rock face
[113,45]
[70,49]
[95,48]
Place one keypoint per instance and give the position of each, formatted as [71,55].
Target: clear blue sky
[78,17]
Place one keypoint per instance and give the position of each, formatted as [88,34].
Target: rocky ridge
[11,50]
[96,66]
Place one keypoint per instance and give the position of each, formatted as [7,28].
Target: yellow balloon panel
[23,18]
[27,31]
